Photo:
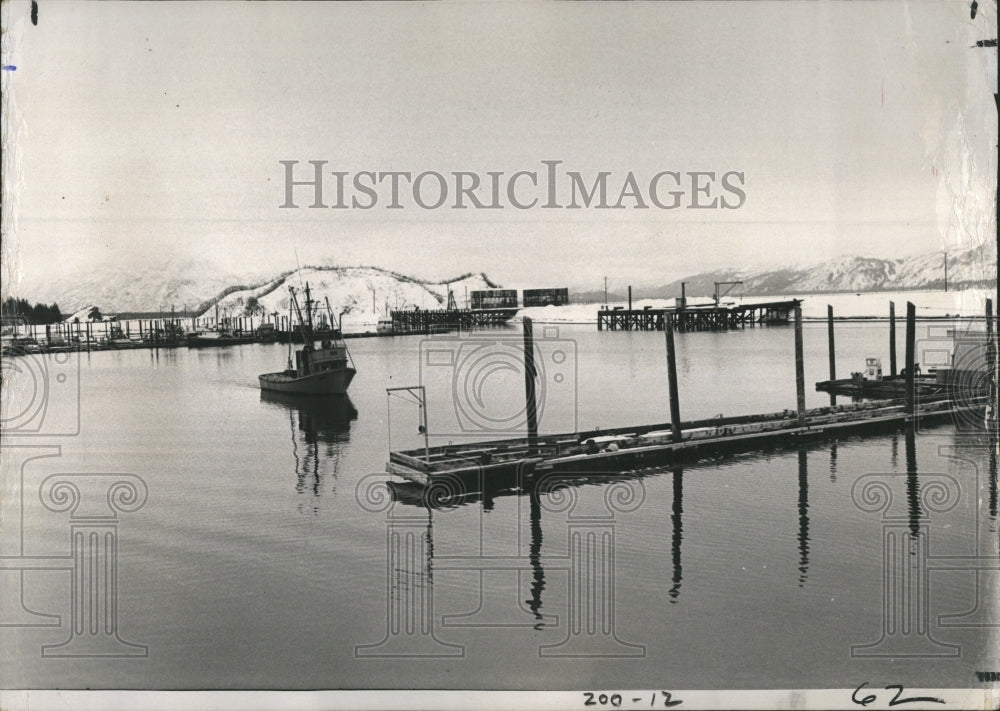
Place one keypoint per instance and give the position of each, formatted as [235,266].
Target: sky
[146,133]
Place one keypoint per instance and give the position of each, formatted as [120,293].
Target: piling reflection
[803,517]
[415,495]
[535,557]
[319,429]
[412,494]
[994,445]
[912,485]
[579,578]
[538,502]
[677,535]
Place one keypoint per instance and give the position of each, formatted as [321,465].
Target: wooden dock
[444,320]
[628,448]
[710,317]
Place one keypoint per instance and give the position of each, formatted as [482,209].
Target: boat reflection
[320,428]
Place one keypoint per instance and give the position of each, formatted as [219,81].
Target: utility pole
[605,293]
[946,271]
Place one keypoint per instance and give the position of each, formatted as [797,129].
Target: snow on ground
[350,292]
[970,302]
[82,315]
[362,294]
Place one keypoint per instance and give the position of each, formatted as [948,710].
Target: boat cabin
[873,369]
[327,357]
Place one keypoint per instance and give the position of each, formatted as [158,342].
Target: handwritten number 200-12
[615,700]
[896,701]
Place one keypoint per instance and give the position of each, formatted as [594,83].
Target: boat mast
[333,324]
[339,330]
[309,315]
[295,302]
[291,289]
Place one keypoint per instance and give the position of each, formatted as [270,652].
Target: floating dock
[627,448]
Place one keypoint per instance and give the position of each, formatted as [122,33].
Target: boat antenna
[298,267]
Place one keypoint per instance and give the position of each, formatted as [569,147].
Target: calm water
[265,557]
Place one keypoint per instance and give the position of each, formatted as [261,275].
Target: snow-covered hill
[362,294]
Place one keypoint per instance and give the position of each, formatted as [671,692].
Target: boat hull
[210,341]
[327,382]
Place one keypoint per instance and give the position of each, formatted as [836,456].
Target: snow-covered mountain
[195,285]
[183,283]
[972,267]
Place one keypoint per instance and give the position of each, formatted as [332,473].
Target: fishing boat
[223,336]
[327,370]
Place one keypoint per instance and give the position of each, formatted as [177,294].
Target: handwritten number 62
[896,701]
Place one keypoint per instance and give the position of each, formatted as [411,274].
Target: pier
[710,317]
[443,320]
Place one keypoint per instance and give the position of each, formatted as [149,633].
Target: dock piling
[833,355]
[675,407]
[529,386]
[892,339]
[800,377]
[911,328]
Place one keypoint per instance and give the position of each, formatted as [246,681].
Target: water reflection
[535,557]
[803,517]
[412,494]
[415,495]
[677,533]
[994,444]
[319,430]
[912,485]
